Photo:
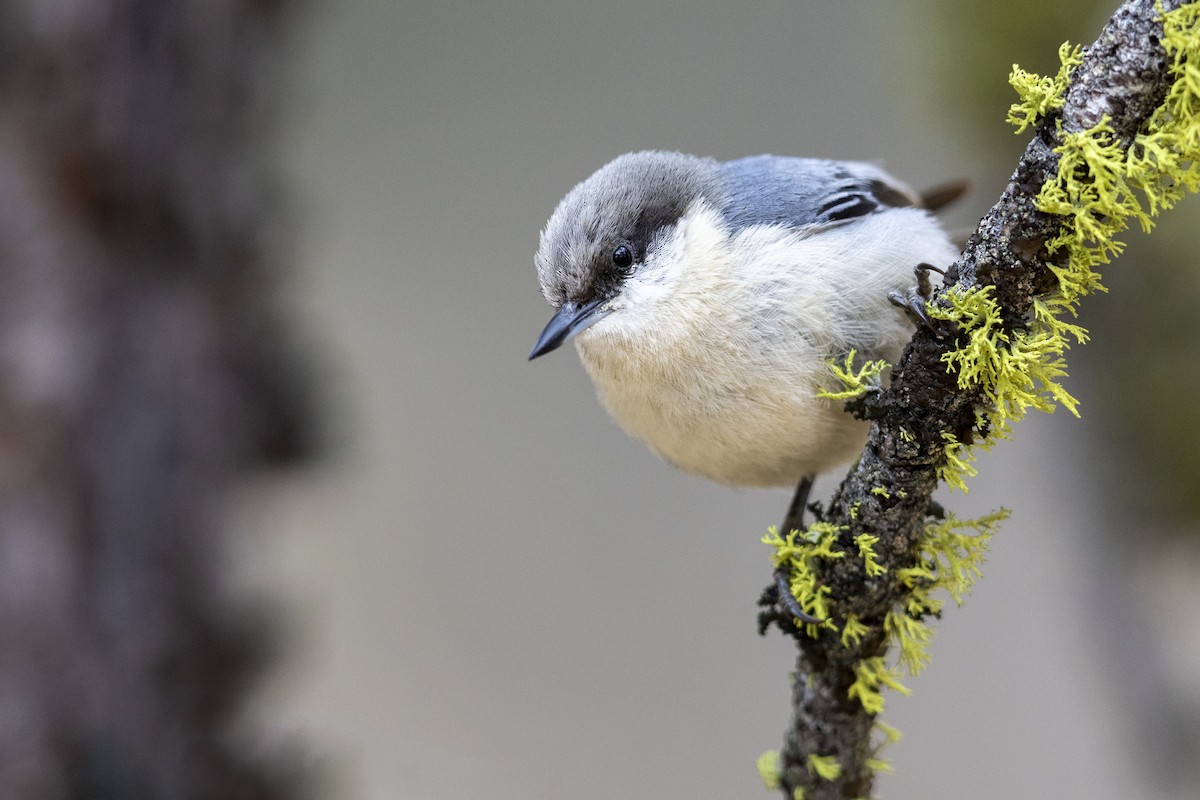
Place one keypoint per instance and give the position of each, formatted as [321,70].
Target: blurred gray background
[488,590]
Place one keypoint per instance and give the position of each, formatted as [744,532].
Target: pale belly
[741,430]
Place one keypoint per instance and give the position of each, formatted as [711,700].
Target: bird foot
[914,299]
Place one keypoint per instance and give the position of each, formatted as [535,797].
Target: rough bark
[142,375]
[1124,75]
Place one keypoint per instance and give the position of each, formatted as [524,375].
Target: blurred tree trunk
[142,375]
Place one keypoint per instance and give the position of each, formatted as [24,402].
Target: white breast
[715,350]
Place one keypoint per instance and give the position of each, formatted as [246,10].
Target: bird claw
[787,602]
[913,300]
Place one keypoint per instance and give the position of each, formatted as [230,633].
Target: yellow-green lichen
[866,542]
[824,767]
[891,735]
[1041,95]
[957,467]
[1101,188]
[1094,193]
[953,551]
[853,631]
[768,769]
[800,553]
[870,675]
[1016,371]
[855,381]
[880,765]
[912,638]
[949,559]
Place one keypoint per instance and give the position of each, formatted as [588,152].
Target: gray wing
[801,192]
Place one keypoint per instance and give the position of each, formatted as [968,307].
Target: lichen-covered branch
[1116,139]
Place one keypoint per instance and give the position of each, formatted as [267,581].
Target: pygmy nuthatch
[706,300]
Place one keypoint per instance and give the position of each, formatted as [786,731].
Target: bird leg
[794,521]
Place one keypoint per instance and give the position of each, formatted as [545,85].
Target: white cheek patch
[678,264]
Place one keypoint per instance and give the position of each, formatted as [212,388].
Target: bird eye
[622,257]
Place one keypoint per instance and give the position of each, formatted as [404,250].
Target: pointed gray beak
[569,320]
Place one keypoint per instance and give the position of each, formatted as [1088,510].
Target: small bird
[706,300]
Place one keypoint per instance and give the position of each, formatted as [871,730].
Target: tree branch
[1016,251]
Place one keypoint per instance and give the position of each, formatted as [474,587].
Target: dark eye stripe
[848,206]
